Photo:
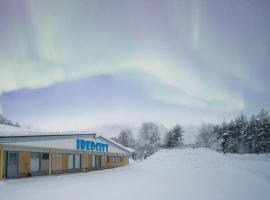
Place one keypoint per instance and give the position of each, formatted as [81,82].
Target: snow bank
[184,174]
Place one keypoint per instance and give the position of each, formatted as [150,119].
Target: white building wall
[67,144]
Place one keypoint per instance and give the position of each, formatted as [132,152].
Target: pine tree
[252,134]
[222,137]
[170,139]
[241,124]
[174,137]
[219,140]
[178,135]
[232,138]
[263,142]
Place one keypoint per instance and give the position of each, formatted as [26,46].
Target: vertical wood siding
[24,163]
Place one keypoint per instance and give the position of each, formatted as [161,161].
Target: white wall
[68,144]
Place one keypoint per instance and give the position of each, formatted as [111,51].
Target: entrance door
[12,164]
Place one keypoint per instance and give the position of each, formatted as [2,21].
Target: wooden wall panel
[88,161]
[103,161]
[126,160]
[56,161]
[24,163]
[64,161]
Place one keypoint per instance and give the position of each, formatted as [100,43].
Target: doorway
[12,164]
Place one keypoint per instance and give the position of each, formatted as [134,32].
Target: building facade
[36,155]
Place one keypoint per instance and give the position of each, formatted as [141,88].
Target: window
[34,163]
[70,161]
[44,162]
[93,161]
[77,161]
[45,156]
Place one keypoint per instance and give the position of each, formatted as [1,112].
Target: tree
[242,135]
[123,138]
[177,133]
[2,119]
[115,139]
[207,137]
[149,139]
[126,138]
[241,123]
[5,121]
[263,139]
[170,139]
[251,135]
[232,138]
[174,137]
[17,124]
[221,133]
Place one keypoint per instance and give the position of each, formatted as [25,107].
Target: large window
[70,161]
[77,161]
[34,163]
[44,162]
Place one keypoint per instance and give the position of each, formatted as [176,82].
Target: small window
[45,156]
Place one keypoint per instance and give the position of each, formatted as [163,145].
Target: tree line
[241,135]
[5,121]
[149,140]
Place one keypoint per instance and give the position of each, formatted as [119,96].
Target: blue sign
[91,145]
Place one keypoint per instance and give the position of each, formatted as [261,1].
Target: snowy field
[169,174]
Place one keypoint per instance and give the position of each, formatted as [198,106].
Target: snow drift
[186,174]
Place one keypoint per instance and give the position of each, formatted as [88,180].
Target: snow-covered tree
[243,135]
[174,137]
[251,136]
[169,139]
[177,133]
[5,121]
[221,133]
[126,138]
[232,138]
[114,139]
[207,137]
[263,140]
[149,138]
[241,123]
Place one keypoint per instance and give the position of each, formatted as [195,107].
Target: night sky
[75,64]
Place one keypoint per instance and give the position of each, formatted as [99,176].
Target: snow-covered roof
[6,130]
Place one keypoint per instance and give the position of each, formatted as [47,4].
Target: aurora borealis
[100,62]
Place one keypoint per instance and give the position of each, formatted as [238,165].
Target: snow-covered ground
[169,174]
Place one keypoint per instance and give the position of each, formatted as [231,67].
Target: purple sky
[81,64]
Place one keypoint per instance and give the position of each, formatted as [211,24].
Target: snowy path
[175,174]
